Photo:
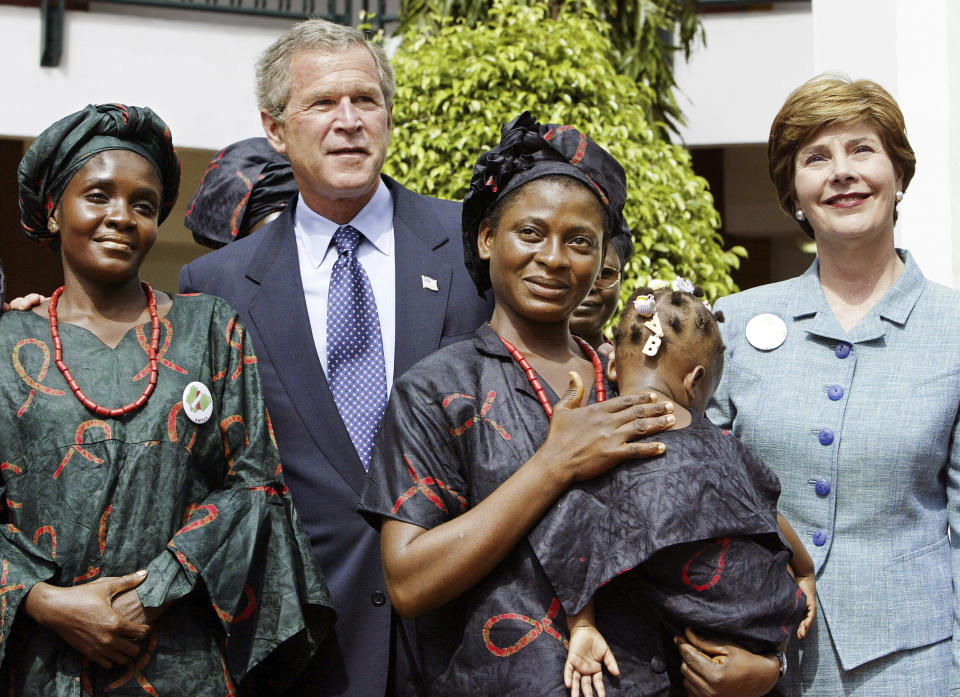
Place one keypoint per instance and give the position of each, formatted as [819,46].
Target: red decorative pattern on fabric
[92,572]
[269,490]
[273,437]
[123,112]
[191,507]
[423,486]
[228,681]
[136,671]
[481,415]
[723,543]
[22,372]
[603,196]
[542,626]
[238,211]
[224,426]
[548,136]
[182,558]
[214,164]
[172,427]
[244,614]
[13,504]
[10,467]
[78,439]
[235,329]
[796,603]
[581,150]
[47,530]
[211,516]
[4,589]
[102,532]
[145,345]
[455,395]
[85,681]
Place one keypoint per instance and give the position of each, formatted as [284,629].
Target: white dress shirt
[317,254]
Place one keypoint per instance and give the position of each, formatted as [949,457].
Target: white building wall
[193,68]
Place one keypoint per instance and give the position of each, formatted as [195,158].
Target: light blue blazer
[862,429]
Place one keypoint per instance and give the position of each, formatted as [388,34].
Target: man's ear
[273,129]
[485,240]
[692,380]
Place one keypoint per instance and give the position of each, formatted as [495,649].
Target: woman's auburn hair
[828,100]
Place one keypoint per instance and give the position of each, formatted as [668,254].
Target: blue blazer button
[825,436]
[819,538]
[822,487]
[842,350]
[835,392]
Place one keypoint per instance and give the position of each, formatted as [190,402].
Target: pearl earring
[898,196]
[798,215]
[51,225]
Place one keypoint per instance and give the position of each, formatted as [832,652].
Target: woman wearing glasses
[592,315]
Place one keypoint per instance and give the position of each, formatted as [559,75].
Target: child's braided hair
[679,311]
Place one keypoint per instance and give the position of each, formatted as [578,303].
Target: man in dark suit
[325,96]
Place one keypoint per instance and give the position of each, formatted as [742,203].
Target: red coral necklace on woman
[535,382]
[151,354]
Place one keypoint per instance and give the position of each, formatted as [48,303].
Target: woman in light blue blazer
[846,381]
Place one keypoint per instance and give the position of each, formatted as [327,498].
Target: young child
[696,527]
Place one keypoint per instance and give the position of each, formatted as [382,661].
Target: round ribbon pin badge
[766,332]
[197,402]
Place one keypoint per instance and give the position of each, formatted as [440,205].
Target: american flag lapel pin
[430,283]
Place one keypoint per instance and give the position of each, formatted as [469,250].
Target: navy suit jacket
[260,277]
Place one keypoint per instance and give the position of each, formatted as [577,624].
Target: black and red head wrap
[62,149]
[244,183]
[529,150]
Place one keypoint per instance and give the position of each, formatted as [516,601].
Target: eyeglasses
[607,278]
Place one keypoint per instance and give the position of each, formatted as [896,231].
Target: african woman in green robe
[148,543]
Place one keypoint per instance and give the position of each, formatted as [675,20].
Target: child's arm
[588,653]
[804,573]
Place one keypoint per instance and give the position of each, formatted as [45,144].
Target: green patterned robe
[202,507]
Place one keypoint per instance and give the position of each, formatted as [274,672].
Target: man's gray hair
[273,67]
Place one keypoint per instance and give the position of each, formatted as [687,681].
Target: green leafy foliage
[644,37]
[457,85]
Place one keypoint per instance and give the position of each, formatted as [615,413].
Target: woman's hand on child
[808,585]
[712,669]
[24,303]
[588,654]
[613,427]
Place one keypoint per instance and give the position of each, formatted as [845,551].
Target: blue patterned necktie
[357,377]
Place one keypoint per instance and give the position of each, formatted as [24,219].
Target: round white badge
[197,402]
[766,332]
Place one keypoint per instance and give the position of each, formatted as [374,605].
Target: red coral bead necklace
[535,382]
[151,353]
